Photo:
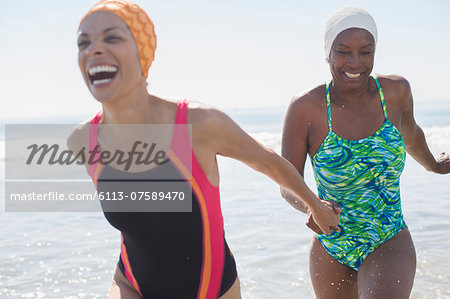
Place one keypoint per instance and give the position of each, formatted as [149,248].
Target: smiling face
[108,56]
[351,58]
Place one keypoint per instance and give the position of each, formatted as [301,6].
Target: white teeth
[102,68]
[96,82]
[352,76]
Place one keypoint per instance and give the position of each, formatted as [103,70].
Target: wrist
[436,167]
[315,205]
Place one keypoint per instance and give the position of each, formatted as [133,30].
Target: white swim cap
[345,18]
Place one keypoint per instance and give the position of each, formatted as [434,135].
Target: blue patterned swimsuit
[363,176]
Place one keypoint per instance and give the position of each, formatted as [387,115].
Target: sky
[230,54]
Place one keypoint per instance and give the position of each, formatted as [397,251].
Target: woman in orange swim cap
[169,255]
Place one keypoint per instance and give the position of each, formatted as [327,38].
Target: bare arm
[229,140]
[414,138]
[294,147]
[78,140]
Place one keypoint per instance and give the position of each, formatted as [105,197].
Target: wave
[438,139]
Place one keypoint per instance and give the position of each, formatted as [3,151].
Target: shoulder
[307,104]
[211,125]
[198,114]
[204,116]
[79,137]
[396,89]
[396,82]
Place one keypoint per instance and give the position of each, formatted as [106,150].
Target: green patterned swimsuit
[363,176]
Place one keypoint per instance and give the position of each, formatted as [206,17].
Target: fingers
[443,163]
[325,219]
[326,231]
[336,207]
[443,157]
[319,229]
[335,228]
[315,228]
[312,225]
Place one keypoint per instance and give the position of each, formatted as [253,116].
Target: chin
[103,97]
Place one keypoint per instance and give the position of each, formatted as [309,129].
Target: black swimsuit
[172,254]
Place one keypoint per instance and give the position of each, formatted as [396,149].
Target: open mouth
[101,74]
[352,76]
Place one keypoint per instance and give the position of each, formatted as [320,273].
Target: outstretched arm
[414,138]
[228,139]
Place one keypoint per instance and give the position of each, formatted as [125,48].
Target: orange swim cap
[140,26]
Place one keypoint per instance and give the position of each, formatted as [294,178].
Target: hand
[443,164]
[331,211]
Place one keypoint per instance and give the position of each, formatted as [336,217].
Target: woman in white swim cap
[356,130]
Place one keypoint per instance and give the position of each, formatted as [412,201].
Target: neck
[349,96]
[131,108]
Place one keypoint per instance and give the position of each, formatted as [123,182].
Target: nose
[355,59]
[94,48]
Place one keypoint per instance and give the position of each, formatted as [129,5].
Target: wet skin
[357,113]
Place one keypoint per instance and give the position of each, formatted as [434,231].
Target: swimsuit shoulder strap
[93,133]
[181,142]
[181,114]
[328,106]
[380,91]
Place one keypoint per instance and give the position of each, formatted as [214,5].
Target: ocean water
[72,255]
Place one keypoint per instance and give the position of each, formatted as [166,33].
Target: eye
[342,52]
[112,38]
[367,52]
[82,44]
